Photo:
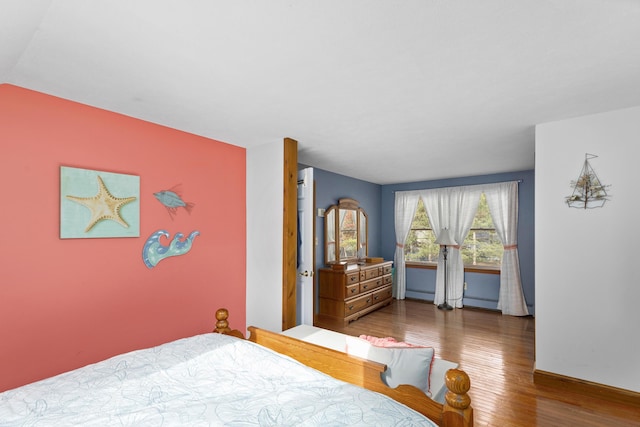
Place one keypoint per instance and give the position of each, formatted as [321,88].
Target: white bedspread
[206,380]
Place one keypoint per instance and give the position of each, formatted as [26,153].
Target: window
[348,233]
[482,248]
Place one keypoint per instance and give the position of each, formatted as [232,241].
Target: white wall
[265,180]
[587,266]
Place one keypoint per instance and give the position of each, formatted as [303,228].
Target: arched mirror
[345,229]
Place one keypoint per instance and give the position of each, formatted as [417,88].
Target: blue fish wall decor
[154,252]
[172,200]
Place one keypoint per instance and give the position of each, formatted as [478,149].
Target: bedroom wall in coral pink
[65,303]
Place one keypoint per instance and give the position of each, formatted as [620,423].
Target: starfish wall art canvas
[96,204]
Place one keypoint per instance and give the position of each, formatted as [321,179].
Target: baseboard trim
[587,388]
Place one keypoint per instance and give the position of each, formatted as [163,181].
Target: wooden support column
[290,234]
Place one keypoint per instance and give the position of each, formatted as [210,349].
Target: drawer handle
[376,297]
[368,299]
[353,291]
[365,286]
[350,307]
[378,282]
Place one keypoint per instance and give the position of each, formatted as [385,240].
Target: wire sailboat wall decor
[588,190]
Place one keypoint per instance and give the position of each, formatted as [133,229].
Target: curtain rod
[466,185]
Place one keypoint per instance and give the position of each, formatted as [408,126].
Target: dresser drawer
[353,278]
[357,304]
[382,294]
[370,285]
[368,274]
[352,290]
[387,280]
[386,269]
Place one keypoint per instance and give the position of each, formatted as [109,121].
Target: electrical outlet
[465,286]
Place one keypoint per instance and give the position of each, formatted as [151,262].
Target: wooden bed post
[457,411]
[222,324]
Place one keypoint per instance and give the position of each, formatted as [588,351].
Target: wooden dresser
[349,291]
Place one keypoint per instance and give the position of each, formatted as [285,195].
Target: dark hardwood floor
[498,354]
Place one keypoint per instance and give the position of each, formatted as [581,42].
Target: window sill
[433,266]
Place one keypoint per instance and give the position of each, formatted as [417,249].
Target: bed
[222,379]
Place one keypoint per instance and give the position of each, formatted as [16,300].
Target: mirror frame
[332,244]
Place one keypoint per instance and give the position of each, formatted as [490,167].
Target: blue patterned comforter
[205,380]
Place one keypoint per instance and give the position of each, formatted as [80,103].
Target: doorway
[305,250]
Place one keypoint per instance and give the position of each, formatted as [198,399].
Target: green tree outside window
[481,248]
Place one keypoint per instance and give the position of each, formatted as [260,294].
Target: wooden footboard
[456,412]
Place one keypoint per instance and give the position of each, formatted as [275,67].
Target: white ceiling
[384,91]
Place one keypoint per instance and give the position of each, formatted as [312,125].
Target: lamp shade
[444,238]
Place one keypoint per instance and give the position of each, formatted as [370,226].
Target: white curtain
[405,209]
[453,208]
[331,235]
[342,213]
[502,199]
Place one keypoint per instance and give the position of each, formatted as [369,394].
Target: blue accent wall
[482,290]
[331,187]
[379,200]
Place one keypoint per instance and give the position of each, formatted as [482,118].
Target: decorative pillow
[406,364]
[386,342]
